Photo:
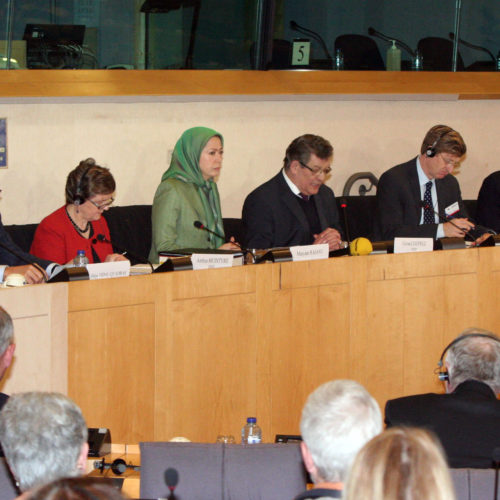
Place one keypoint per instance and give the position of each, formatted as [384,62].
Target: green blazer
[176,206]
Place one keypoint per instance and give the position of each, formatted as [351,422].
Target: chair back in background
[8,490]
[265,470]
[214,470]
[474,484]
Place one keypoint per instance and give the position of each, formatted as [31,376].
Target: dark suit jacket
[273,217]
[399,202]
[11,259]
[467,421]
[488,202]
[3,399]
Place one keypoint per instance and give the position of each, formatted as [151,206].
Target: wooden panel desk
[193,353]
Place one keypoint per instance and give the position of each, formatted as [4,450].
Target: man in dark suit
[467,418]
[417,198]
[13,260]
[295,207]
[488,202]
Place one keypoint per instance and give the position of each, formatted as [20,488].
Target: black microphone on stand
[378,34]
[443,219]
[100,238]
[171,479]
[343,206]
[200,225]
[297,27]
[472,46]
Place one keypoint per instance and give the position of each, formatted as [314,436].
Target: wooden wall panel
[111,369]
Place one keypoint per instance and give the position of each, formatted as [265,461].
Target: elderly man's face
[309,176]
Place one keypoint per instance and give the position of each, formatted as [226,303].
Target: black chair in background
[280,57]
[360,52]
[437,54]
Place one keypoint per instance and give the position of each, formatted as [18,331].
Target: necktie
[428,212]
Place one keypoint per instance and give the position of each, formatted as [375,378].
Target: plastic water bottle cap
[80,252]
[251,420]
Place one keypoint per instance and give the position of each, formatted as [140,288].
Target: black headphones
[430,152]
[79,198]
[118,466]
[443,375]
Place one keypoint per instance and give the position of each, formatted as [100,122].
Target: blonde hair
[400,464]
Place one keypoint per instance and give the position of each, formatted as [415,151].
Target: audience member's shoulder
[493,179]
[415,399]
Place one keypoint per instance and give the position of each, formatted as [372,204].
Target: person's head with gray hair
[7,346]
[44,437]
[339,417]
[474,355]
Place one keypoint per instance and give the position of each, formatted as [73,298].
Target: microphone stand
[297,27]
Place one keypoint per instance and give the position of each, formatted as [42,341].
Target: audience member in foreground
[44,437]
[339,417]
[76,225]
[410,195]
[76,488]
[7,348]
[400,464]
[188,193]
[295,207]
[466,419]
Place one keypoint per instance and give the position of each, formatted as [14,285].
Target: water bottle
[81,259]
[251,432]
[417,62]
[339,60]
[393,58]
[498,61]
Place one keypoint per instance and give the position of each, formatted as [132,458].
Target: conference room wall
[48,137]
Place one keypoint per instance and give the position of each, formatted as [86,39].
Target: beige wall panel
[213,362]
[47,138]
[111,369]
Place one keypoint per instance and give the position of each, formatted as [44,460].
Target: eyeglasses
[316,171]
[103,206]
[451,162]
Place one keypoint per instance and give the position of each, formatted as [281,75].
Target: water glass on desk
[227,439]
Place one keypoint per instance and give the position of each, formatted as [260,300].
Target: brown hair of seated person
[400,464]
[76,488]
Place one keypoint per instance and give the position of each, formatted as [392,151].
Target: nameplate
[211,260]
[309,252]
[407,245]
[105,270]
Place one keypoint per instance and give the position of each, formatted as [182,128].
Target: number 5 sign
[300,52]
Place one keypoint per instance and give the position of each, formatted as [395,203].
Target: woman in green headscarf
[188,193]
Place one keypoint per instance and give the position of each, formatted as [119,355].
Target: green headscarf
[185,166]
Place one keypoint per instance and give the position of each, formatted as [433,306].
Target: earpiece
[79,197]
[430,152]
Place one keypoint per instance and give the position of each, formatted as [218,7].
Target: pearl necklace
[75,225]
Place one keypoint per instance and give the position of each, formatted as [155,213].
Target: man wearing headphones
[467,418]
[419,197]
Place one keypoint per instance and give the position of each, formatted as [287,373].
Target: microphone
[171,479]
[426,206]
[343,206]
[200,225]
[297,27]
[472,46]
[378,34]
[100,238]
